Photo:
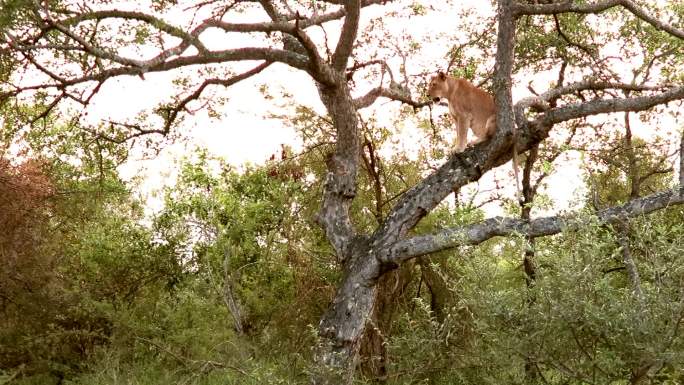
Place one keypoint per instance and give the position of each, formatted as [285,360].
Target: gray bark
[545,226]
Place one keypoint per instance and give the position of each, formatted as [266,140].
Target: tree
[77,47]
[71,249]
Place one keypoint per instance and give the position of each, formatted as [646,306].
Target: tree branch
[468,166]
[597,7]
[500,226]
[580,110]
[348,35]
[190,38]
[251,53]
[463,167]
[172,114]
[396,93]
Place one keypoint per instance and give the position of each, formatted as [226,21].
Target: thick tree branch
[597,7]
[549,98]
[580,110]
[460,168]
[239,54]
[348,35]
[500,226]
[340,181]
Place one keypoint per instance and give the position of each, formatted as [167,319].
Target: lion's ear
[442,75]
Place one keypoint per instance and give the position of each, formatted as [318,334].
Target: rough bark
[344,323]
[501,226]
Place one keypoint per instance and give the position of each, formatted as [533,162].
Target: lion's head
[438,87]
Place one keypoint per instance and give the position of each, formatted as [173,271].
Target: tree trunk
[529,191]
[391,288]
[441,298]
[344,323]
[366,259]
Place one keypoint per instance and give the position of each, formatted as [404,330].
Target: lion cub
[469,106]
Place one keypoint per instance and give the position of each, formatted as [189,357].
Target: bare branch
[239,54]
[348,35]
[594,107]
[597,7]
[188,38]
[499,226]
[172,114]
[395,93]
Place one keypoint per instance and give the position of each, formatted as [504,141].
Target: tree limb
[250,53]
[173,112]
[348,34]
[500,226]
[597,7]
[396,94]
[579,110]
[468,166]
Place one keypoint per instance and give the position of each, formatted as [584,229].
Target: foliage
[226,284]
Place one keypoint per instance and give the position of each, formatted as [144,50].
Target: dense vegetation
[228,282]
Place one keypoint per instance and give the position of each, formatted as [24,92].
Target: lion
[469,107]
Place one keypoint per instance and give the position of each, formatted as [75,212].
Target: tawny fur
[470,107]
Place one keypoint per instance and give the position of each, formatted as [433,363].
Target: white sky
[244,134]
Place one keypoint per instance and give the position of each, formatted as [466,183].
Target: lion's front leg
[462,123]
